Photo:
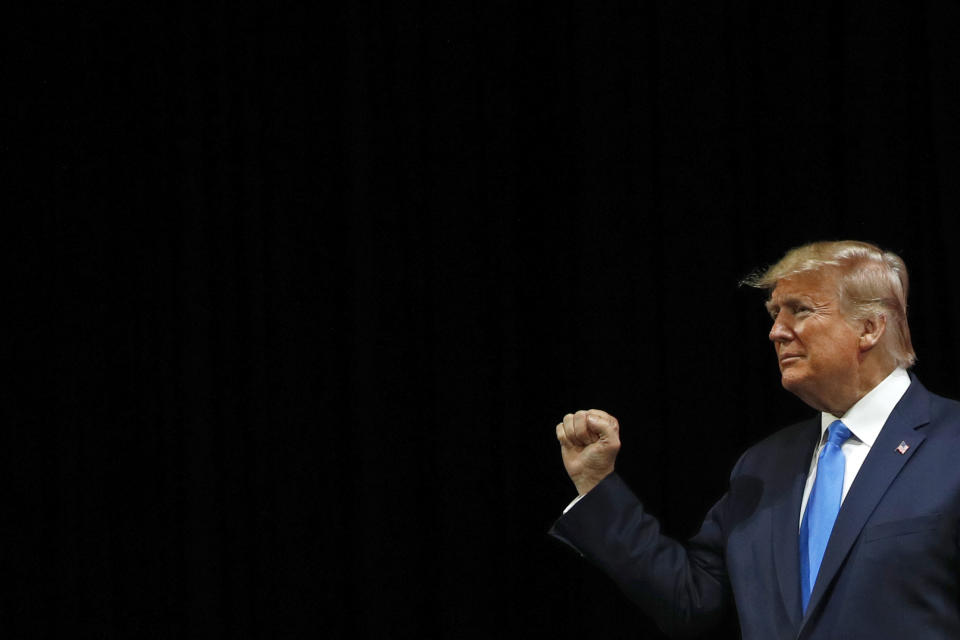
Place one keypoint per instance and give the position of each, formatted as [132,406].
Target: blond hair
[870,283]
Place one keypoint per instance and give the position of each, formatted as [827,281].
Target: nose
[780,332]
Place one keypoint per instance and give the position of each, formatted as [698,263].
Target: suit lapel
[786,519]
[881,466]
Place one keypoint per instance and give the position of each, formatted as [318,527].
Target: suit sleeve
[683,587]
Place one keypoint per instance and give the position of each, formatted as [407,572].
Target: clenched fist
[589,442]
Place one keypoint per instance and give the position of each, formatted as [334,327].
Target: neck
[868,379]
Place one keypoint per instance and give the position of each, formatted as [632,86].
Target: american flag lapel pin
[902,447]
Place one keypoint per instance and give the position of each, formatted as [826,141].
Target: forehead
[814,285]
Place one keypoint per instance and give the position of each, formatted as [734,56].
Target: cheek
[843,349]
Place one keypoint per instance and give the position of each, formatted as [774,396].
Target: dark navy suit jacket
[891,568]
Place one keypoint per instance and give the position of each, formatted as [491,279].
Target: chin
[791,382]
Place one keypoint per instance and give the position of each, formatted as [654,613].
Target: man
[843,526]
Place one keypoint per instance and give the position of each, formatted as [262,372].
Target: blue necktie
[822,508]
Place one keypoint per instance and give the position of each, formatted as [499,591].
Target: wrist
[586,482]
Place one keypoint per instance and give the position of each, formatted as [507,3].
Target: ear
[872,330]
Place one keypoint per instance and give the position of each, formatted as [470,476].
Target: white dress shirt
[864,419]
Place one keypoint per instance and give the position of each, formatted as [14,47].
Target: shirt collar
[868,415]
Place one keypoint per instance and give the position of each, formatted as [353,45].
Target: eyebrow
[790,301]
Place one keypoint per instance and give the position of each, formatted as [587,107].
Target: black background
[298,294]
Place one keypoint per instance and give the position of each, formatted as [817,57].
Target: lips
[789,357]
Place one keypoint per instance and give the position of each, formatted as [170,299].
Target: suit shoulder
[788,436]
[944,410]
[944,404]
[782,445]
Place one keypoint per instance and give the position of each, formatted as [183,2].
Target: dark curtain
[297,295]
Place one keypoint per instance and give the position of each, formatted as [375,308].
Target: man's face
[817,347]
